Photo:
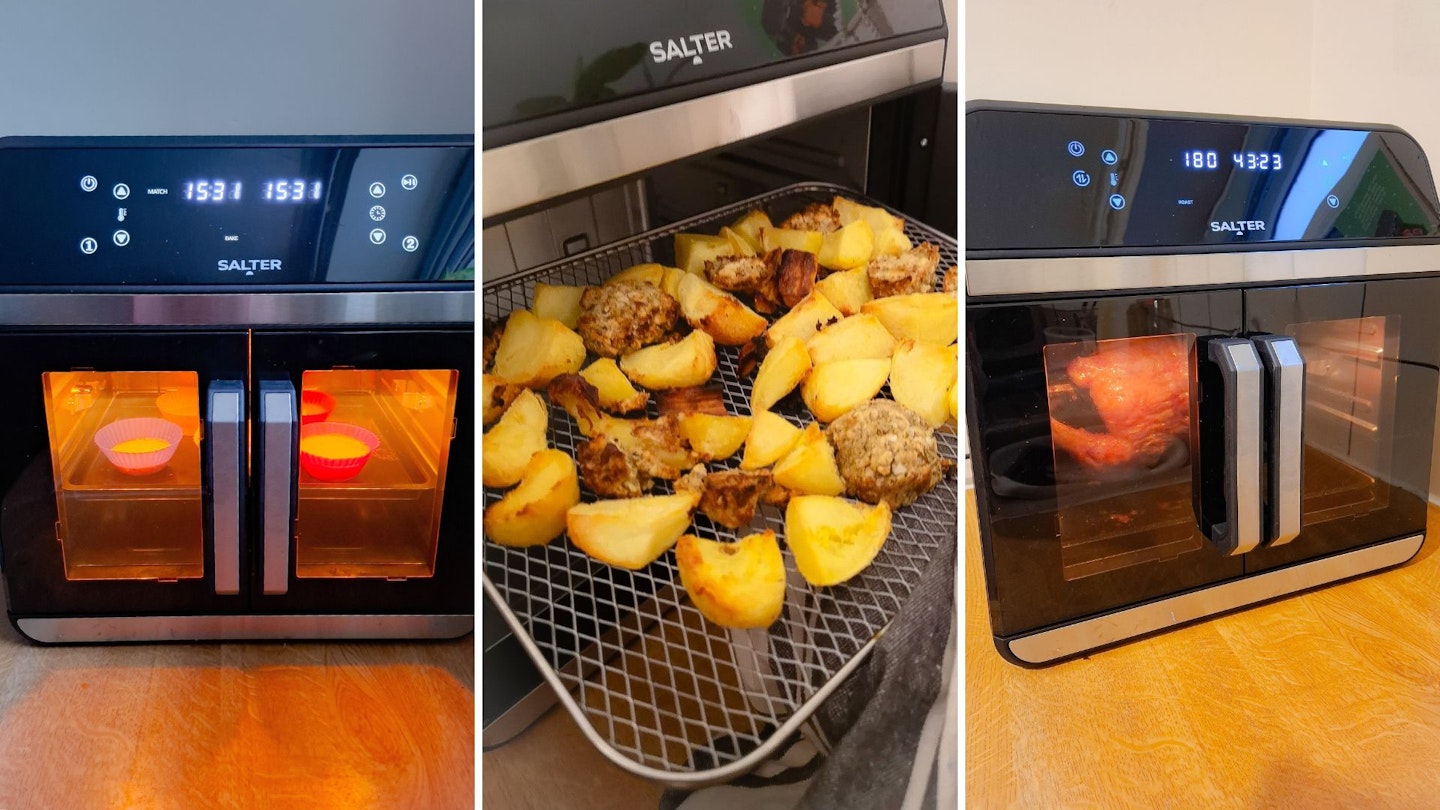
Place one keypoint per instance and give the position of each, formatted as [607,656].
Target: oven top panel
[1055,179]
[207,212]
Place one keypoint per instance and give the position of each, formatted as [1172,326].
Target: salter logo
[690,47]
[1238,226]
[248,266]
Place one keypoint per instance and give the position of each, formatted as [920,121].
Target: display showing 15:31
[283,190]
[1243,161]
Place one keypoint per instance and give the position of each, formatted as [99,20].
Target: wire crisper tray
[659,690]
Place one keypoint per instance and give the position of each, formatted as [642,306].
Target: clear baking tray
[659,690]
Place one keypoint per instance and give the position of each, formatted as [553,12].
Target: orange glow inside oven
[125,451]
[373,450]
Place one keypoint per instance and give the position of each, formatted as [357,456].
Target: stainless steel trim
[1085,273]
[238,308]
[521,174]
[1088,634]
[519,717]
[78,629]
[1240,371]
[227,480]
[1284,436]
[277,423]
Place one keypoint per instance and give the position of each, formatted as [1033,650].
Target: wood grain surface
[236,725]
[1328,699]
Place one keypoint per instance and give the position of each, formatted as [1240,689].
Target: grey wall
[248,67]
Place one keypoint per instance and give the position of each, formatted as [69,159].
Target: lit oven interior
[125,450]
[373,451]
[1122,424]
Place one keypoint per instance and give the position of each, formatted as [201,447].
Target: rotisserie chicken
[1141,390]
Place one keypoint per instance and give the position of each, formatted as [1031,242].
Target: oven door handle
[226,431]
[278,420]
[1240,374]
[1284,436]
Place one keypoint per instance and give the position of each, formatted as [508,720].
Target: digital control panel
[168,212]
[1056,180]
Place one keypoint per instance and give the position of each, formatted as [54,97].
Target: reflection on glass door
[1122,424]
[125,450]
[1351,366]
[373,451]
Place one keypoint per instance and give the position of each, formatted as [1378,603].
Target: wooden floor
[237,726]
[1330,699]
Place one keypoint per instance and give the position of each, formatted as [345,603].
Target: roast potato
[887,229]
[739,584]
[647,273]
[848,247]
[855,338]
[833,539]
[750,226]
[629,532]
[714,437]
[535,350]
[813,313]
[558,303]
[741,244]
[771,437]
[833,388]
[782,369]
[616,393]
[954,397]
[772,238]
[922,376]
[681,364]
[810,467]
[495,396]
[671,282]
[848,290]
[718,313]
[693,250]
[520,434]
[931,317]
[533,513]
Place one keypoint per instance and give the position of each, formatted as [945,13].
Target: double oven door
[214,474]
[1132,449]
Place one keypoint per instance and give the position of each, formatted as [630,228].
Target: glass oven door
[1370,353]
[124,473]
[1086,431]
[364,471]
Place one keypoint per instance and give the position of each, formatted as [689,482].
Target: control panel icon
[1117,202]
[1108,157]
[88,245]
[1080,178]
[409,182]
[377,212]
[410,243]
[1332,201]
[377,190]
[377,237]
[121,191]
[121,238]
[88,183]
[1075,148]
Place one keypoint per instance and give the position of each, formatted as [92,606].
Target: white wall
[1375,61]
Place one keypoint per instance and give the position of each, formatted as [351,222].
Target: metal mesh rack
[659,690]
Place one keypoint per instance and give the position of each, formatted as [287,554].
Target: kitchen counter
[1329,699]
[343,725]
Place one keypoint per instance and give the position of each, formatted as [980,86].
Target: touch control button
[121,191]
[1080,178]
[1117,202]
[409,182]
[1075,148]
[410,243]
[377,237]
[88,183]
[1108,157]
[377,212]
[377,190]
[88,245]
[1332,201]
[121,238]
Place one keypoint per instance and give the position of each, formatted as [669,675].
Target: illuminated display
[1242,161]
[212,191]
[293,190]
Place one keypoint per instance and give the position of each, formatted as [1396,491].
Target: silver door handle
[1241,375]
[1284,436]
[226,433]
[277,481]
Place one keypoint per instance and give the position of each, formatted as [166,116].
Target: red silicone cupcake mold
[327,468]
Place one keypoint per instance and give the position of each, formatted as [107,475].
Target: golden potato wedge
[931,317]
[535,351]
[495,396]
[693,250]
[887,230]
[558,303]
[657,445]
[922,376]
[782,369]
[788,239]
[835,387]
[833,539]
[750,226]
[533,513]
[856,338]
[629,532]
[848,247]
[892,243]
[671,283]
[771,437]
[813,313]
[617,395]
[741,244]
[714,437]
[648,273]
[681,364]
[740,584]
[848,290]
[507,447]
[718,313]
[809,468]
[954,398]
